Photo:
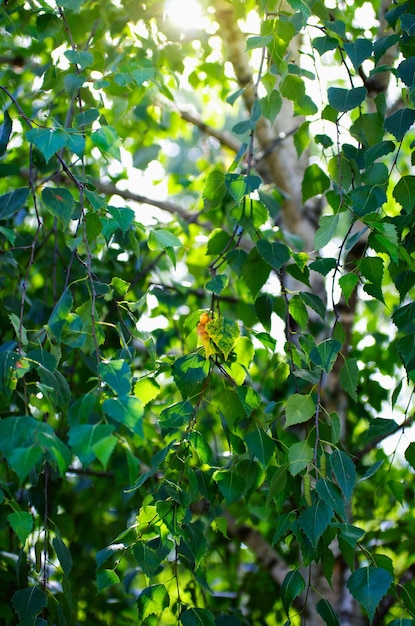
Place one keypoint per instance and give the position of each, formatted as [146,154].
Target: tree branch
[164,205]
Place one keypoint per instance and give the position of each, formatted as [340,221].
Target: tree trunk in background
[285,169]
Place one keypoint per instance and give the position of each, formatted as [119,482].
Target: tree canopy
[207,325]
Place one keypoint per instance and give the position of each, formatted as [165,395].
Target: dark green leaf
[349,377]
[348,284]
[325,354]
[315,519]
[231,485]
[176,415]
[404,193]
[346,99]
[344,472]
[292,586]
[274,253]
[63,554]
[11,202]
[358,51]
[400,122]
[410,455]
[326,611]
[29,602]
[368,585]
[261,445]
[217,284]
[330,494]
[324,44]
[5,132]
[197,617]
[47,141]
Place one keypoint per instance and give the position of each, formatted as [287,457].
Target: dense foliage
[207,320]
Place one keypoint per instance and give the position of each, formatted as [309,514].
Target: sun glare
[184,14]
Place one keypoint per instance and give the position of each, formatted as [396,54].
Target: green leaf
[147,558]
[144,72]
[117,375]
[344,471]
[224,333]
[176,415]
[368,585]
[231,485]
[160,239]
[83,437]
[146,389]
[82,58]
[197,617]
[261,445]
[107,141]
[5,132]
[60,203]
[315,519]
[22,524]
[292,586]
[189,374]
[255,271]
[315,182]
[126,410]
[330,494]
[323,266]
[324,355]
[215,189]
[314,302]
[47,140]
[324,44]
[63,554]
[327,228]
[106,578]
[410,455]
[358,51]
[300,408]
[346,99]
[300,454]
[217,284]
[85,118]
[349,377]
[406,70]
[404,193]
[274,253]
[400,122]
[123,217]
[201,445]
[11,202]
[348,284]
[29,602]
[152,601]
[327,613]
[380,427]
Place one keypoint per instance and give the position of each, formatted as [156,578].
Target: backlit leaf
[300,408]
[152,600]
[224,333]
[22,524]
